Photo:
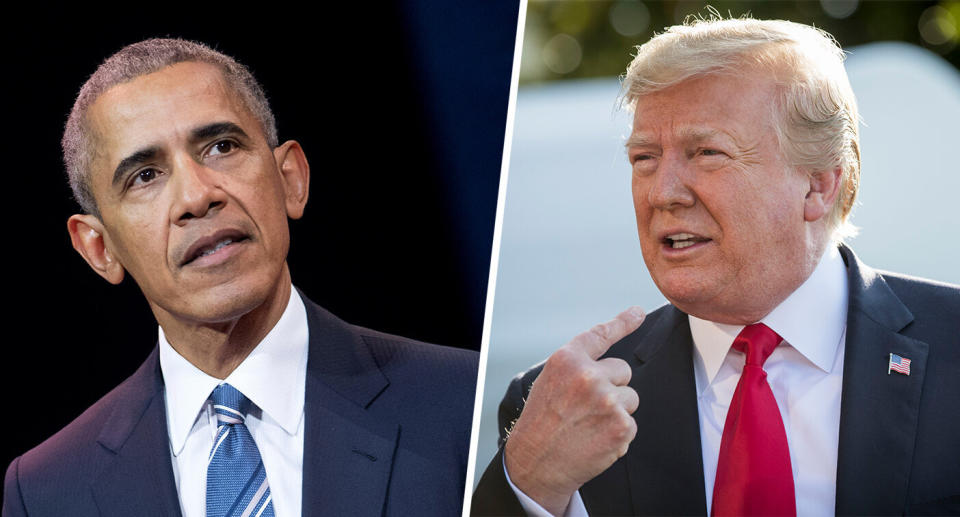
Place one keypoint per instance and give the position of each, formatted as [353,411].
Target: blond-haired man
[785,376]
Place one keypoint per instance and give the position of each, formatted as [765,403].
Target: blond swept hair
[818,123]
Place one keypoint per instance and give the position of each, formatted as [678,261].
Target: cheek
[639,190]
[785,210]
[128,245]
[273,224]
[644,216]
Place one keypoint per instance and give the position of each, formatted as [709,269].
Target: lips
[680,240]
[211,244]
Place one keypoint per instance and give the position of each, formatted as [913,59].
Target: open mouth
[683,240]
[210,245]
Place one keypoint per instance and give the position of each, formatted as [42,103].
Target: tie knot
[229,404]
[758,342]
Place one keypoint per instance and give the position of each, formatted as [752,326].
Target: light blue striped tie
[236,481]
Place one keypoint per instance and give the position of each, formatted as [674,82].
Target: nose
[196,192]
[669,188]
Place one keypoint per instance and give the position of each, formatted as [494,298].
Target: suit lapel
[666,461]
[878,411]
[348,454]
[138,477]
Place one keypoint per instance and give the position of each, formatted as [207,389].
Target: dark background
[400,108]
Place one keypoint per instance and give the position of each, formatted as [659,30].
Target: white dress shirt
[804,373]
[273,377]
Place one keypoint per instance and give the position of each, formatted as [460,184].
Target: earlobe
[87,236]
[295,172]
[822,194]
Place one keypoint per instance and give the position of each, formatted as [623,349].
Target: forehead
[159,110]
[705,104]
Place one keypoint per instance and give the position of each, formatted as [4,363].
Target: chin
[226,309]
[687,292]
[223,302]
[713,304]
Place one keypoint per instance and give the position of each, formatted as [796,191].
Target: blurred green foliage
[577,39]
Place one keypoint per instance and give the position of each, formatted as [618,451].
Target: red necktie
[753,472]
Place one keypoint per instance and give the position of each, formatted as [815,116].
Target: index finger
[596,341]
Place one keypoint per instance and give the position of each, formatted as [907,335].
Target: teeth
[216,248]
[683,240]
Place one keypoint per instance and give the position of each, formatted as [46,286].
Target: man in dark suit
[785,377]
[172,152]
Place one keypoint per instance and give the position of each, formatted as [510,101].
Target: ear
[87,237]
[295,172]
[823,191]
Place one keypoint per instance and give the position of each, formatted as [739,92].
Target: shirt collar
[273,376]
[812,320]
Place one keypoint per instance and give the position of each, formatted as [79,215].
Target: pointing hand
[577,420]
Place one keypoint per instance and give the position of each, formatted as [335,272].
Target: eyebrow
[637,141]
[695,135]
[132,161]
[216,129]
[205,132]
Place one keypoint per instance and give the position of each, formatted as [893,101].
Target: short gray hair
[135,60]
[818,126]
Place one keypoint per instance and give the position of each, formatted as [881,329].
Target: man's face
[719,213]
[193,201]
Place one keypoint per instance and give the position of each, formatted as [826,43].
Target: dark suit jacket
[387,433]
[899,450]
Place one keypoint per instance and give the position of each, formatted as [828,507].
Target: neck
[218,348]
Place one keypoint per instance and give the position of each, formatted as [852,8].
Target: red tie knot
[758,342]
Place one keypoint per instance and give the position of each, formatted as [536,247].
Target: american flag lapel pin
[898,364]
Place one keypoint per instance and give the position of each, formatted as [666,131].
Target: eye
[222,147]
[643,164]
[711,152]
[144,176]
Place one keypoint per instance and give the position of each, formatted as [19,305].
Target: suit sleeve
[493,495]
[12,498]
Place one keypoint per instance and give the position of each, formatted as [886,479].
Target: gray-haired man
[255,401]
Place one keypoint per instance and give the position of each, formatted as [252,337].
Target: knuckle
[627,317]
[637,314]
[599,332]
[624,368]
[586,378]
[631,428]
[624,428]
[608,402]
[633,401]
[561,359]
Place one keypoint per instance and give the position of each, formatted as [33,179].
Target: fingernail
[637,312]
